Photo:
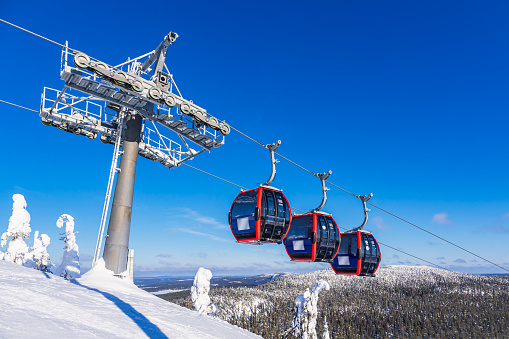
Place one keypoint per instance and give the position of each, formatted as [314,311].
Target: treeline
[400,302]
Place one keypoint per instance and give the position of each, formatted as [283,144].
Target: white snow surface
[35,304]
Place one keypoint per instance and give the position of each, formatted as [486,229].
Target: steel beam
[117,237]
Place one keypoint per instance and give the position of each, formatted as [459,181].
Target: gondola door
[300,242]
[370,254]
[328,238]
[347,261]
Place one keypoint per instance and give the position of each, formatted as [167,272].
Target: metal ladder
[113,171]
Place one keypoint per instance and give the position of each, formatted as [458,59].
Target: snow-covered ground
[34,304]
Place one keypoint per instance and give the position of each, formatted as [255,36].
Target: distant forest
[400,302]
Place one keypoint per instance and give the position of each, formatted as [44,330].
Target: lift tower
[125,104]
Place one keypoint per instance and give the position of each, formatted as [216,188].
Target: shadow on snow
[151,330]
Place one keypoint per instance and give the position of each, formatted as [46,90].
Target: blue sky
[407,100]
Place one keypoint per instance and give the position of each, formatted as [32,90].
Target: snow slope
[34,304]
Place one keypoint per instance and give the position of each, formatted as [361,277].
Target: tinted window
[348,244]
[270,203]
[302,227]
[245,204]
[322,230]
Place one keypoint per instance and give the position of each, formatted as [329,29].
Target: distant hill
[400,302]
[162,285]
[34,304]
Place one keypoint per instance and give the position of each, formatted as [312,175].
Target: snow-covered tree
[18,231]
[70,266]
[306,311]
[38,258]
[325,334]
[200,292]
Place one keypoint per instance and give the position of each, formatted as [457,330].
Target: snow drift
[35,304]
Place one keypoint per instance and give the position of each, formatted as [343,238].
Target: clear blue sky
[404,99]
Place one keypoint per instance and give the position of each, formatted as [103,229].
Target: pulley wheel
[224,128]
[170,101]
[155,93]
[137,86]
[81,60]
[123,76]
[213,122]
[184,108]
[102,69]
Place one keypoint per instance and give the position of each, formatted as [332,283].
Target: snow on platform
[34,304]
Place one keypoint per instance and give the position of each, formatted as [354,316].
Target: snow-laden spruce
[306,311]
[38,258]
[70,266]
[325,334]
[18,230]
[200,292]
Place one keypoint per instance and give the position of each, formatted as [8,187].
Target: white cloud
[202,234]
[196,216]
[379,223]
[442,219]
[211,221]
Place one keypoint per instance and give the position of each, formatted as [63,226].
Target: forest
[400,302]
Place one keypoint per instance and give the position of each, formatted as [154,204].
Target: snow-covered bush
[18,231]
[306,311]
[70,266]
[39,257]
[200,292]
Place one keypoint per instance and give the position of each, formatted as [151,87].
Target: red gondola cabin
[359,254]
[260,216]
[313,237]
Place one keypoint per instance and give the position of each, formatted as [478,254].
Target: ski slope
[34,304]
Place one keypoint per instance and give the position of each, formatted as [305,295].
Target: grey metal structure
[322,177]
[125,104]
[272,148]
[364,199]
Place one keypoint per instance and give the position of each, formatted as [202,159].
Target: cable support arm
[322,177]
[159,54]
[364,199]
[272,148]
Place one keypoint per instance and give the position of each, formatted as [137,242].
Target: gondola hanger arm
[322,177]
[364,199]
[272,149]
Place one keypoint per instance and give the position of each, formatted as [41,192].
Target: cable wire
[212,175]
[37,35]
[381,209]
[10,103]
[292,162]
[293,208]
[229,182]
[447,241]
